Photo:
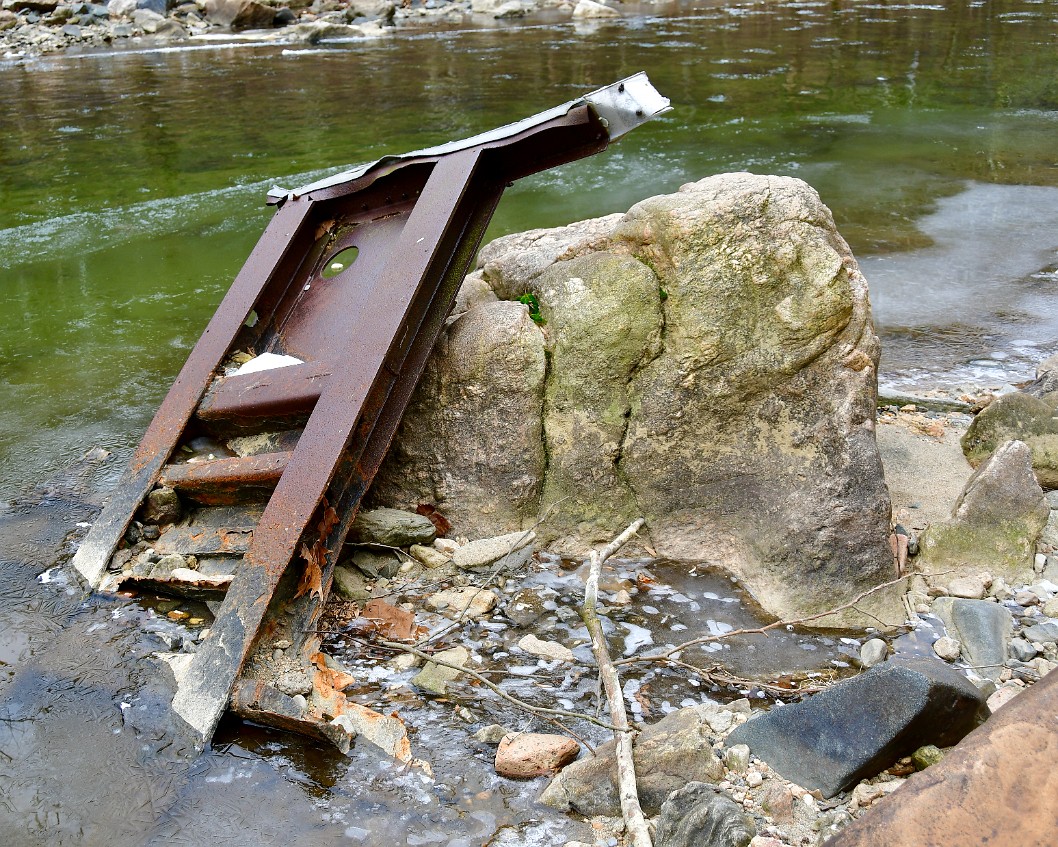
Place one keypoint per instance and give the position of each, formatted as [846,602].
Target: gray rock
[240,14]
[668,754]
[351,584]
[162,507]
[858,727]
[435,678]
[392,527]
[701,814]
[375,564]
[491,734]
[1041,633]
[759,395]
[1022,650]
[488,551]
[982,627]
[995,523]
[873,652]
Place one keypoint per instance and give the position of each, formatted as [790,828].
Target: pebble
[428,556]
[1022,650]
[531,754]
[445,545]
[546,649]
[736,758]
[491,734]
[969,587]
[873,652]
[1026,598]
[947,648]
[475,602]
[925,756]
[754,779]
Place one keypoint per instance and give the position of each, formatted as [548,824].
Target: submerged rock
[856,728]
[668,754]
[701,814]
[712,367]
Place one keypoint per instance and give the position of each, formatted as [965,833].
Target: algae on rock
[707,360]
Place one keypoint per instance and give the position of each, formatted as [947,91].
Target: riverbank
[37,27]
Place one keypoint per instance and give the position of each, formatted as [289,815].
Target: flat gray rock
[392,527]
[855,729]
[982,627]
[1041,632]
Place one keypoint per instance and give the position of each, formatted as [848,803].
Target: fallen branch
[521,704]
[631,811]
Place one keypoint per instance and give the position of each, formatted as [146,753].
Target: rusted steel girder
[354,342]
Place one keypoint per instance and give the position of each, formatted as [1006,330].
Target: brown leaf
[439,521]
[327,520]
[312,577]
[643,700]
[392,622]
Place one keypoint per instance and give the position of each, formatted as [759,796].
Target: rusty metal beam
[363,337]
[228,480]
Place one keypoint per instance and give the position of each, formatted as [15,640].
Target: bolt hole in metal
[339,262]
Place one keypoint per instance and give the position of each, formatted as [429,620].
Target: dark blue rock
[859,727]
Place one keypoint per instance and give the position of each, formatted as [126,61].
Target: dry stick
[763,630]
[631,811]
[521,704]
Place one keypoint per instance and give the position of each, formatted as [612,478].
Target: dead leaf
[328,520]
[392,622]
[439,521]
[312,577]
[329,680]
[643,700]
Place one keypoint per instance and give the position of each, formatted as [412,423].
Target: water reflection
[127,191]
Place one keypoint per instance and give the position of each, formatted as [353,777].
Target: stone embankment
[33,27]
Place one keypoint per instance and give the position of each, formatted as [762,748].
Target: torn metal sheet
[339,305]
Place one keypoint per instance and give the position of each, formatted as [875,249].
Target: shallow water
[130,192]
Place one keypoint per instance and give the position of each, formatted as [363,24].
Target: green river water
[131,183]
[131,190]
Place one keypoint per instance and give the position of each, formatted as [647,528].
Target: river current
[131,190]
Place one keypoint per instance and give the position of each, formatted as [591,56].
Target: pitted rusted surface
[346,345]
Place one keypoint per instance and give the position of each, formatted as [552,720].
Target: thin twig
[631,810]
[521,704]
[492,575]
[762,630]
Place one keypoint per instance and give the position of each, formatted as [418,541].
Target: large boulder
[240,14]
[706,360]
[995,523]
[857,728]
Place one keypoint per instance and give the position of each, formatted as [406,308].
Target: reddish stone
[998,787]
[530,754]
